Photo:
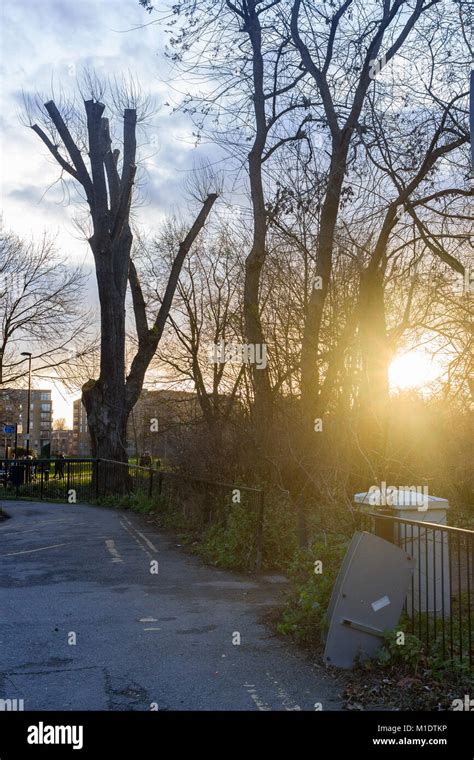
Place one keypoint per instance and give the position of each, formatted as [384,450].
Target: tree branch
[139,307]
[72,149]
[54,151]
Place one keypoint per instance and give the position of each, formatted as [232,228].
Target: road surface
[86,622]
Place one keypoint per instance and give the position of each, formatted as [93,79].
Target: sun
[413,369]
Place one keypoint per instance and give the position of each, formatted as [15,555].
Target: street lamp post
[28,354]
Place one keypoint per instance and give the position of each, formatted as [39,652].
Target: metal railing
[439,606]
[51,479]
[200,502]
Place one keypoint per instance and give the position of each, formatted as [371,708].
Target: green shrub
[414,652]
[304,616]
[279,532]
[137,502]
[393,652]
[233,544]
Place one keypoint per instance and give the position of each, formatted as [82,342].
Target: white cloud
[43,48]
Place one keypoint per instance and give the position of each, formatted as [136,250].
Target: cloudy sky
[45,44]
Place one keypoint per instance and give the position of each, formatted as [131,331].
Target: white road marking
[132,534]
[148,542]
[30,530]
[110,544]
[288,703]
[152,629]
[30,551]
[261,704]
[148,620]
[15,529]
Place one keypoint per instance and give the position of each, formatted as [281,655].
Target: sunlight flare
[413,369]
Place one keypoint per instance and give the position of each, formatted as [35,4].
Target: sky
[47,43]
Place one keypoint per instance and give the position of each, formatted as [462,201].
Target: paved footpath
[83,573]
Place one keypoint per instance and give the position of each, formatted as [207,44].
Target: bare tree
[354,208]
[207,313]
[107,183]
[256,108]
[41,310]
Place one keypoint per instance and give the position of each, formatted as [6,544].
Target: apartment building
[62,442]
[155,423]
[14,409]
[158,419]
[81,441]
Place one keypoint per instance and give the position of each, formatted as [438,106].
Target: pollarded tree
[85,152]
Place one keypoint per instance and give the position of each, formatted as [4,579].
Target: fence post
[259,538]
[68,475]
[150,482]
[97,478]
[17,472]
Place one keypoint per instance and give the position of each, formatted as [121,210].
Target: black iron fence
[50,479]
[201,503]
[439,608]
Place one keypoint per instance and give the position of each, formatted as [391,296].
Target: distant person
[145,459]
[31,468]
[59,467]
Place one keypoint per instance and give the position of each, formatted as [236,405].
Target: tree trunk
[375,354]
[107,420]
[263,404]
[310,380]
[104,400]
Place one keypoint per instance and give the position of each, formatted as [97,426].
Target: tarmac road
[143,640]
